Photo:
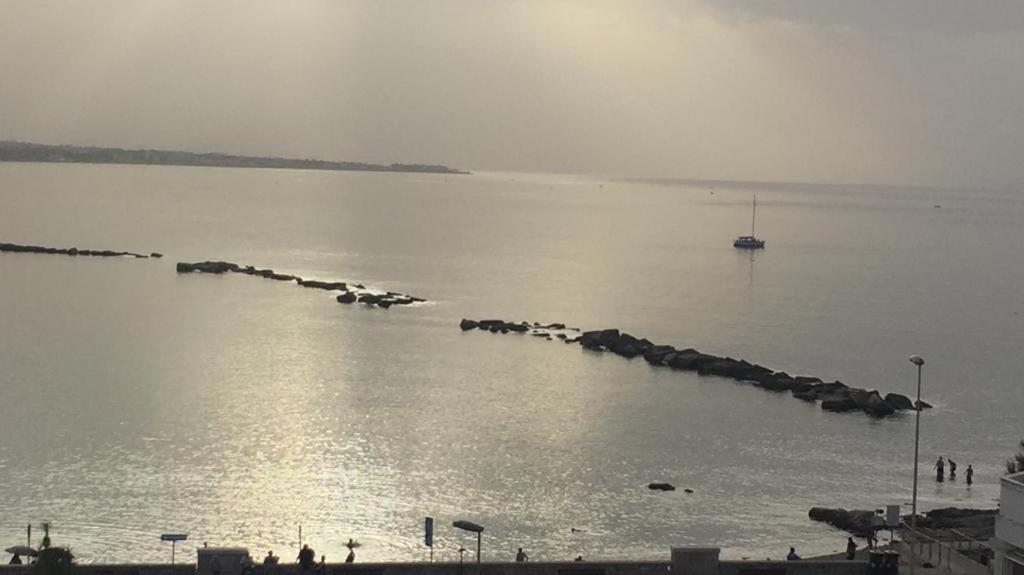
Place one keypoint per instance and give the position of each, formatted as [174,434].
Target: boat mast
[753,217]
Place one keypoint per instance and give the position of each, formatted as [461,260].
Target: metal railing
[950,554]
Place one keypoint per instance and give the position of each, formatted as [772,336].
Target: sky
[925,92]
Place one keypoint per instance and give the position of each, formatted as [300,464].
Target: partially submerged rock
[858,522]
[661,486]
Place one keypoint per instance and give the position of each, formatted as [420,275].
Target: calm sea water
[136,401]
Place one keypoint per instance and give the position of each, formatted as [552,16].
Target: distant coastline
[13,151]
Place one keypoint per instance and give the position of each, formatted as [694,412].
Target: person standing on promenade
[270,559]
[940,470]
[306,557]
[792,555]
[351,558]
[521,556]
[851,549]
[970,475]
[952,470]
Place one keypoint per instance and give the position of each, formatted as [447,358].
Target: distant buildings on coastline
[11,151]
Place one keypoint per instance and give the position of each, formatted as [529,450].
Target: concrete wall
[793,567]
[567,568]
[692,561]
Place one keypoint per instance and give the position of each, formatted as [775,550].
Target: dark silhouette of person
[351,558]
[16,560]
[578,558]
[521,556]
[792,556]
[952,470]
[851,549]
[940,470]
[306,557]
[970,475]
[270,559]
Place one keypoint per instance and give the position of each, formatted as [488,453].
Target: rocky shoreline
[349,292]
[834,396]
[976,523]
[17,248]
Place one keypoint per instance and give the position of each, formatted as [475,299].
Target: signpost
[173,538]
[428,536]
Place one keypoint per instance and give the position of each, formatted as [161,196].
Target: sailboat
[750,242]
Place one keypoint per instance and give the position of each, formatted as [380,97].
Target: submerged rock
[661,486]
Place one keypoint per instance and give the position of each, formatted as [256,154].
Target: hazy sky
[899,91]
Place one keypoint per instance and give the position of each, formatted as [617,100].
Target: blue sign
[428,532]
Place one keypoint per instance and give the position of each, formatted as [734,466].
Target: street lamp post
[472,528]
[919,362]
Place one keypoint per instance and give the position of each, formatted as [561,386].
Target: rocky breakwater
[16,248]
[975,523]
[834,396]
[348,292]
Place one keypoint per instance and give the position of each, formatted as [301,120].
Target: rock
[656,353]
[857,522]
[560,335]
[860,397]
[609,338]
[839,402]
[687,490]
[687,359]
[806,395]
[468,324]
[347,297]
[214,267]
[778,382]
[369,298]
[184,268]
[877,407]
[923,405]
[156,255]
[661,486]
[591,339]
[322,285]
[898,401]
[555,326]
[516,327]
[385,304]
[487,324]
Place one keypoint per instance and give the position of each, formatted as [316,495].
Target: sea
[136,401]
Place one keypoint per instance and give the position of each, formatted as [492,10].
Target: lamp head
[916,360]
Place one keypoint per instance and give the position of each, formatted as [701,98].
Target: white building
[1008,543]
